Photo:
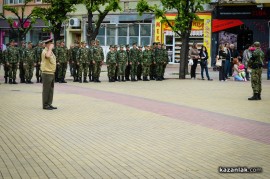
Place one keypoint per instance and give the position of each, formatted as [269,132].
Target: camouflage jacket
[98,54]
[61,54]
[111,57]
[73,54]
[12,55]
[22,51]
[29,56]
[158,55]
[134,55]
[83,55]
[122,56]
[140,56]
[165,56]
[256,60]
[147,57]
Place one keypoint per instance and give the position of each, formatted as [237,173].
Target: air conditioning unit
[74,22]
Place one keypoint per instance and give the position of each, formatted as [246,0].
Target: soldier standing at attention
[38,50]
[29,63]
[139,68]
[122,60]
[158,57]
[13,58]
[75,62]
[91,65]
[256,64]
[127,71]
[111,63]
[146,62]
[62,54]
[98,58]
[48,67]
[22,51]
[6,64]
[165,60]
[116,69]
[83,57]
[153,65]
[134,61]
[55,51]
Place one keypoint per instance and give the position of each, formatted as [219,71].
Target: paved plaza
[169,129]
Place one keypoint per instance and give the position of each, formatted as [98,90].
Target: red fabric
[219,24]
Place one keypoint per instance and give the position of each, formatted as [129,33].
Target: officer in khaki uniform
[48,67]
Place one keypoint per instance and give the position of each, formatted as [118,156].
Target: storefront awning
[222,24]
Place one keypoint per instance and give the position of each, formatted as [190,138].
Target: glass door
[169,46]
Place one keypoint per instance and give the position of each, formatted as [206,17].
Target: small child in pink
[242,73]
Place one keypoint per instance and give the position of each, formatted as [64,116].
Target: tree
[55,14]
[22,23]
[185,14]
[96,6]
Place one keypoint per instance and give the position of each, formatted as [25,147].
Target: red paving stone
[249,129]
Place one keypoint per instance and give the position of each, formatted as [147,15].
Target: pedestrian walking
[48,67]
[256,64]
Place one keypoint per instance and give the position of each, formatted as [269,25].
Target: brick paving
[169,129]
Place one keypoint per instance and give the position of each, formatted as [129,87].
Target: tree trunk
[90,27]
[184,55]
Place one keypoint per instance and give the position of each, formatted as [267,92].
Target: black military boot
[113,80]
[6,80]
[254,97]
[259,96]
[37,79]
[30,82]
[84,80]
[118,79]
[123,79]
[14,82]
[10,81]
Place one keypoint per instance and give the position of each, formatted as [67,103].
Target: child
[242,73]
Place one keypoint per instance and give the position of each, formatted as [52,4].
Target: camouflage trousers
[83,68]
[256,80]
[13,70]
[29,70]
[146,70]
[62,69]
[91,70]
[159,69]
[121,68]
[133,69]
[153,72]
[6,69]
[111,70]
[97,69]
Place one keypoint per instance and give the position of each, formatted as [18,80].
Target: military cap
[48,41]
[257,44]
[127,46]
[121,46]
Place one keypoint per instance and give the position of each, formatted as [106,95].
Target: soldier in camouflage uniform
[75,62]
[57,61]
[146,62]
[70,59]
[62,54]
[256,64]
[116,69]
[134,61]
[98,58]
[5,64]
[37,52]
[22,51]
[159,61]
[91,65]
[29,63]
[83,57]
[111,63]
[153,74]
[122,61]
[165,60]
[139,68]
[127,71]
[12,59]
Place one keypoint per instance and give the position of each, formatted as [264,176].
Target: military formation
[125,64]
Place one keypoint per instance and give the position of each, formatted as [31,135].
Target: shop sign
[196,25]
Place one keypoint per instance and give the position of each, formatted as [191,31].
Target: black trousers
[193,68]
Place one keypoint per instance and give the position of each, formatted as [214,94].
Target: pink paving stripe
[253,130]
